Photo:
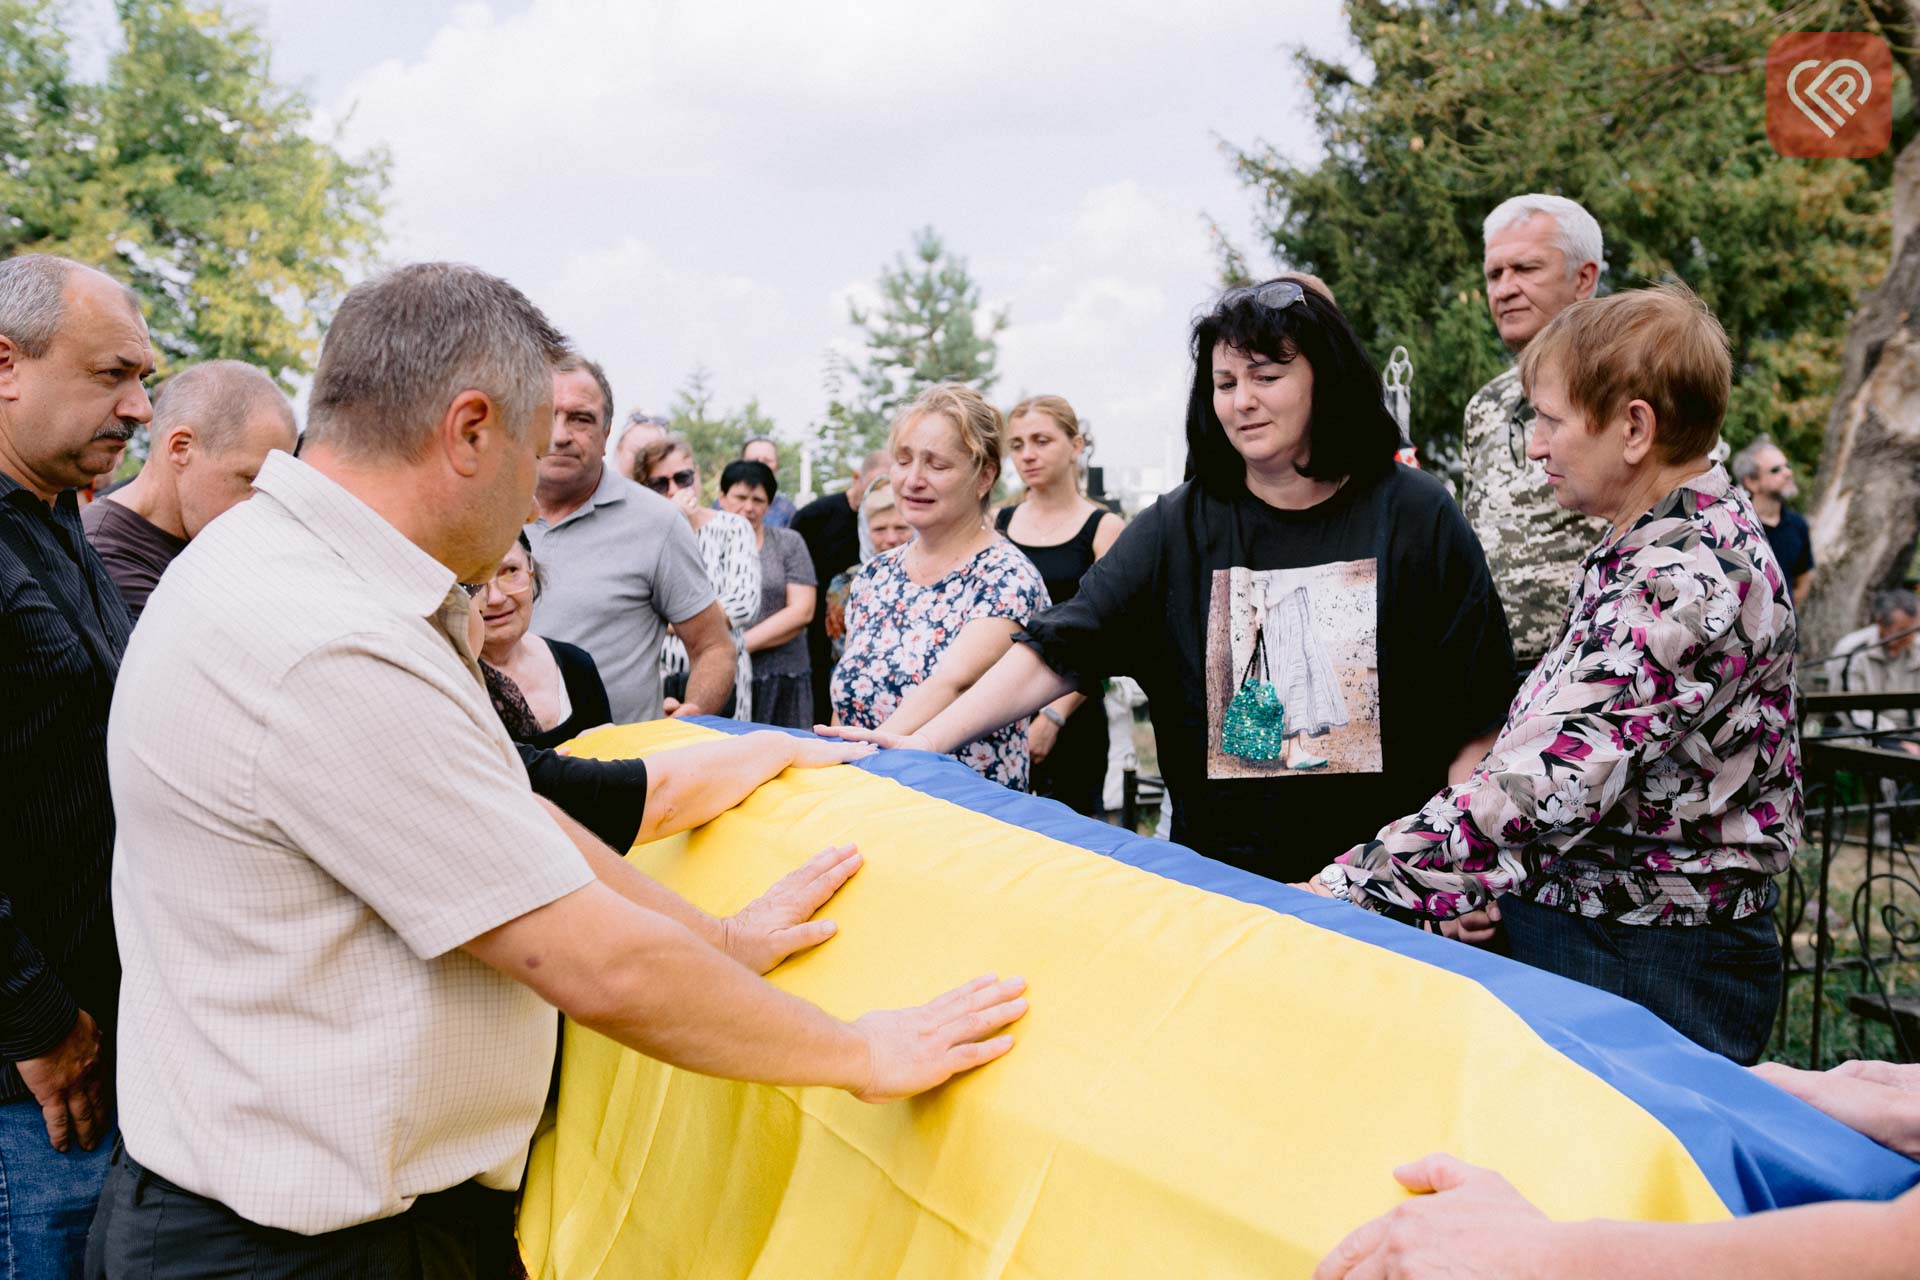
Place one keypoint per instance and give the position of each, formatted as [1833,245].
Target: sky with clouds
[709,183]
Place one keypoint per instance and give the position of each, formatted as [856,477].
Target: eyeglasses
[678,480]
[1278,294]
[511,578]
[1776,470]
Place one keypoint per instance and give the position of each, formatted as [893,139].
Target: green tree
[715,436]
[189,174]
[927,327]
[1651,113]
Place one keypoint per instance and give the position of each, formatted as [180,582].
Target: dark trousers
[1716,984]
[149,1229]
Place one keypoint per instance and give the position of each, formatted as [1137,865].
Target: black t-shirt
[1792,544]
[135,550]
[830,527]
[1373,618]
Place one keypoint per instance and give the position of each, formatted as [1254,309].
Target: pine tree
[927,328]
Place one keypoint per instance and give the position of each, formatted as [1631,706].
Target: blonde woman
[1063,532]
[926,620]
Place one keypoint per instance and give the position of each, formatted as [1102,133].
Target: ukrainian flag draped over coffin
[1215,1079]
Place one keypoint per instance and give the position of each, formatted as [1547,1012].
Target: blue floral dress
[897,631]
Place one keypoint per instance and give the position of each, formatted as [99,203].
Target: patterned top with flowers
[1649,769]
[897,630]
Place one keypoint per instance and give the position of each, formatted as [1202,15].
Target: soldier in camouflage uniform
[1543,253]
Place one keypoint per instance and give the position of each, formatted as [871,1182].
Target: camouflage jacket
[1534,546]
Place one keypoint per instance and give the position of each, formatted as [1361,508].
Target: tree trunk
[1866,506]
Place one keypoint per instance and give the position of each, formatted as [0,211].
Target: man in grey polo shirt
[619,564]
[343,917]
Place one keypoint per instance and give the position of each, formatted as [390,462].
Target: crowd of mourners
[1551,711]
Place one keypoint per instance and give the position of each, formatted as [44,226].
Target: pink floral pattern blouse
[1649,769]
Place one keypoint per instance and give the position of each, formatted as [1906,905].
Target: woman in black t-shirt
[1314,625]
[1063,532]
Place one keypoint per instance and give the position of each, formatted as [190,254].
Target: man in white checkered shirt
[342,915]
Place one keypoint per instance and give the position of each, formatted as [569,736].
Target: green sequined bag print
[1254,721]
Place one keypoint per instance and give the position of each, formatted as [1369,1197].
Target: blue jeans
[1716,984]
[46,1198]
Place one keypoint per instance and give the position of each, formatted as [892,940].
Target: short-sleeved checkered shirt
[317,807]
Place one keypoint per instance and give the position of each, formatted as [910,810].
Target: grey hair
[405,343]
[579,364]
[1746,463]
[1578,235]
[33,299]
[1894,600]
[216,399]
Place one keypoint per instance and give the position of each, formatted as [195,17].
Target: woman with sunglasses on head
[546,691]
[777,637]
[1313,624]
[667,467]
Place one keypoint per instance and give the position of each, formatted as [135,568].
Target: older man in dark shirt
[73,358]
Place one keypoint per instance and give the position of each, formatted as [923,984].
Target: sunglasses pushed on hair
[678,480]
[1278,294]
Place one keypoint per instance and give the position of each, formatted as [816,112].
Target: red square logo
[1829,94]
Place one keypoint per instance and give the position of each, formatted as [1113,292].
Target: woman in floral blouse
[1645,789]
[926,620]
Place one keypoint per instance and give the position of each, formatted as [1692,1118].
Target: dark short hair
[1349,430]
[752,474]
[580,364]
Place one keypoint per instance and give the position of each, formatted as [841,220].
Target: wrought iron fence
[1849,911]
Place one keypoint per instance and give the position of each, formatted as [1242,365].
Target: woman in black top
[1314,625]
[546,691]
[1063,533]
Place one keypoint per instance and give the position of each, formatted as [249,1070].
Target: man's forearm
[654,985]
[710,675]
[635,885]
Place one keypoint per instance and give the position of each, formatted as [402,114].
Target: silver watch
[1059,720]
[1334,877]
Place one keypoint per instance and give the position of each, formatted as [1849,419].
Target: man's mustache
[122,431]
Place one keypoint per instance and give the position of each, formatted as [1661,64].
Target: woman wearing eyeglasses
[667,467]
[546,691]
[1314,625]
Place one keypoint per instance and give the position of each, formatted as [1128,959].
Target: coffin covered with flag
[1216,1076]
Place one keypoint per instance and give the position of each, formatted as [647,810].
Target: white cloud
[681,183]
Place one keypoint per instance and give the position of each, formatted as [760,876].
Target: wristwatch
[1059,720]
[1334,877]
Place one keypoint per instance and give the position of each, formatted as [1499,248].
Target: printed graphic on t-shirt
[1293,671]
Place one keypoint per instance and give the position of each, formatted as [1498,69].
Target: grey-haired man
[1543,253]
